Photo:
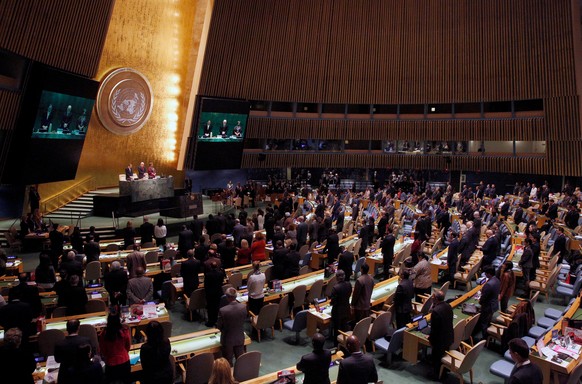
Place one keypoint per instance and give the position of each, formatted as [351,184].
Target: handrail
[67,195]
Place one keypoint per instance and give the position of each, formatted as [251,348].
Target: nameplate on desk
[96,296]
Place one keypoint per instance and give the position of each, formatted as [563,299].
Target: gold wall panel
[159,39]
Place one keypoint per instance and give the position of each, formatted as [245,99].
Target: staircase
[78,208]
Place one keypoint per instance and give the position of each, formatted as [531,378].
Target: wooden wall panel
[65,34]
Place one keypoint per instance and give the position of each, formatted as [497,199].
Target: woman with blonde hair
[221,372]
[243,253]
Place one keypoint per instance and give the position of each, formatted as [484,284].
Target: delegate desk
[376,259]
[318,257]
[147,189]
[50,299]
[515,258]
[109,257]
[439,263]
[185,346]
[287,286]
[320,320]
[545,363]
[413,339]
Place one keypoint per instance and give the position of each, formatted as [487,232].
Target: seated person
[237,130]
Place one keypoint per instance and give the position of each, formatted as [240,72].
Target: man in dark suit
[197,226]
[116,284]
[17,314]
[489,249]
[441,332]
[146,231]
[238,232]
[213,280]
[71,265]
[332,247]
[67,350]
[231,319]
[362,294]
[302,229]
[524,371]
[403,300]
[340,304]
[185,240]
[552,212]
[387,246]
[141,171]
[560,245]
[27,294]
[358,368]
[279,259]
[346,259]
[489,299]
[189,271]
[129,172]
[315,365]
[292,262]
[453,255]
[57,239]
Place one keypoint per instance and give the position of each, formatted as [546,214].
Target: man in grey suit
[231,319]
[238,232]
[362,294]
[358,368]
[140,289]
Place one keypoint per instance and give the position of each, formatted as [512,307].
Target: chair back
[89,331]
[470,325]
[199,368]
[93,270]
[357,246]
[471,357]
[169,293]
[95,305]
[362,328]
[111,248]
[534,298]
[267,316]
[315,291]
[380,326]
[167,327]
[358,266]
[445,287]
[235,279]
[305,259]
[197,300]
[350,228]
[151,257]
[426,306]
[330,284]
[247,366]
[298,296]
[575,375]
[175,271]
[268,273]
[48,339]
[283,310]
[59,312]
[149,244]
[459,333]
[170,254]
[303,250]
[313,246]
[300,321]
[396,341]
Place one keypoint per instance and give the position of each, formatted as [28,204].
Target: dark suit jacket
[315,366]
[302,233]
[357,369]
[189,272]
[340,301]
[27,294]
[237,233]
[66,352]
[231,319]
[363,292]
[345,262]
[185,241]
[453,255]
[128,173]
[441,330]
[388,248]
[197,226]
[560,245]
[332,247]
[526,374]
[279,260]
[489,295]
[92,251]
[403,296]
[489,251]
[292,264]
[146,232]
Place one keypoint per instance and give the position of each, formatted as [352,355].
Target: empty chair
[459,334]
[303,250]
[265,319]
[379,328]
[93,271]
[95,305]
[196,301]
[393,346]
[470,327]
[575,375]
[467,277]
[235,279]
[199,368]
[329,286]
[545,285]
[569,291]
[151,257]
[59,312]
[48,339]
[357,266]
[283,312]
[167,327]
[360,331]
[89,331]
[298,296]
[149,244]
[247,366]
[112,248]
[458,365]
[304,270]
[501,368]
[298,324]
[268,273]
[169,294]
[175,271]
[170,254]
[305,259]
[314,292]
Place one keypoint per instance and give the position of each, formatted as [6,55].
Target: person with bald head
[315,365]
[358,368]
[140,289]
[231,319]
[116,284]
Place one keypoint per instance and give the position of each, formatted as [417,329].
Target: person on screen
[237,130]
[151,171]
[67,119]
[224,129]
[129,172]
[46,120]
[141,171]
[207,129]
[82,122]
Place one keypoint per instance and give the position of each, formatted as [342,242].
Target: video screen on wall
[54,116]
[62,116]
[220,132]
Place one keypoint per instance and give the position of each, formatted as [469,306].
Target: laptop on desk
[423,326]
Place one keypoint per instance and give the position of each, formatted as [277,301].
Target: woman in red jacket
[258,252]
[115,342]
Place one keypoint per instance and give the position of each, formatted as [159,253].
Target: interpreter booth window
[411,147]
[390,146]
[333,111]
[259,108]
[530,147]
[254,143]
[278,145]
[493,147]
[356,145]
[304,145]
[330,145]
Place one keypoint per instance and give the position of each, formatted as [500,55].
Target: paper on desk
[96,296]
[51,363]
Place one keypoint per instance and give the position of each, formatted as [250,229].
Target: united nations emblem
[124,102]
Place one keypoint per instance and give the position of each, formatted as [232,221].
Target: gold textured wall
[159,38]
